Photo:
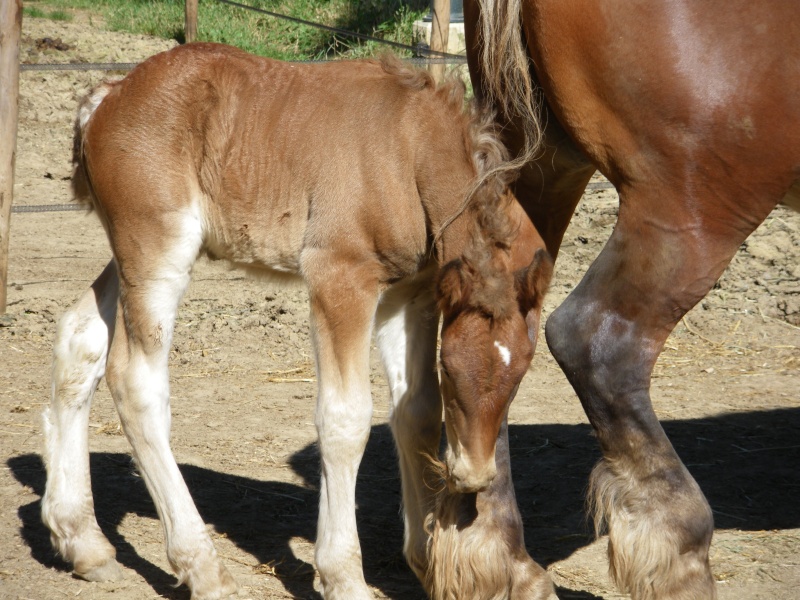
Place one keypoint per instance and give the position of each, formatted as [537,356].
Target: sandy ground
[243,394]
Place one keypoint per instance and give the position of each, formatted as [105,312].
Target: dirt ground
[243,394]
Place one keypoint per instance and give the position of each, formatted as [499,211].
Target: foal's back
[261,159]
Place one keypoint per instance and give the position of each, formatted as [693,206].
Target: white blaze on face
[505,353]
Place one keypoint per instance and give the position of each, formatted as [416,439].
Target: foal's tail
[507,83]
[81,185]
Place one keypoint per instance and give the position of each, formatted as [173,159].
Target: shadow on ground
[746,463]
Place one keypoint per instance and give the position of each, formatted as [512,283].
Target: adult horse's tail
[505,70]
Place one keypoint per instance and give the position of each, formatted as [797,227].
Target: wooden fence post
[440,32]
[190,25]
[10,27]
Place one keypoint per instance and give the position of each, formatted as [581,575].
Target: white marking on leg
[407,319]
[505,353]
[79,359]
[343,418]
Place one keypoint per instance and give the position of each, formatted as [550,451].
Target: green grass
[55,15]
[252,31]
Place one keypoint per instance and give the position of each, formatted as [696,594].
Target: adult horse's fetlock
[487,558]
[659,530]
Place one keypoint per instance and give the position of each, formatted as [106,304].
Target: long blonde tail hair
[505,66]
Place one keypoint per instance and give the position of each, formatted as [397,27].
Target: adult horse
[692,111]
[366,181]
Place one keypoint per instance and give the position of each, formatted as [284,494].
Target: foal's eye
[443,370]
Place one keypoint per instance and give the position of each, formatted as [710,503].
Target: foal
[378,190]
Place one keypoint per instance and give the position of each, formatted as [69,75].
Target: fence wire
[77,66]
[417,61]
[38,208]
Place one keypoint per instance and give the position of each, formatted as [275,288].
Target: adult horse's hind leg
[407,328]
[79,362]
[344,296]
[662,258]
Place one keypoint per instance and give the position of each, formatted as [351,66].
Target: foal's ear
[453,286]
[532,281]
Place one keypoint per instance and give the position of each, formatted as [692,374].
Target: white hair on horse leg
[79,358]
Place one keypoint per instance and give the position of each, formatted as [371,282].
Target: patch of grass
[33,11]
[60,15]
[55,15]
[257,32]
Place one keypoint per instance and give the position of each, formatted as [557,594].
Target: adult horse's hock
[692,111]
[372,185]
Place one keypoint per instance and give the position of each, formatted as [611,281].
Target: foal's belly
[259,239]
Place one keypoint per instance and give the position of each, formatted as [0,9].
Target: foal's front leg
[344,297]
[407,329]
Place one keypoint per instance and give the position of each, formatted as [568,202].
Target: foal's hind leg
[407,328]
[154,273]
[344,295]
[79,361]
[661,259]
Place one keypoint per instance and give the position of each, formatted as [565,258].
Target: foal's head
[490,306]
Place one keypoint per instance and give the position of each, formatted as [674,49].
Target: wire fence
[39,208]
[77,66]
[424,55]
[430,57]
[418,61]
[420,49]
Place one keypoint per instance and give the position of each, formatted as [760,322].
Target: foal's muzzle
[465,476]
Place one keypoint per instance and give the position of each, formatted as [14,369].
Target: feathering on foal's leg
[344,295]
[407,329]
[79,361]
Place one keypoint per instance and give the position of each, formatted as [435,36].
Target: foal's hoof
[108,571]
[216,583]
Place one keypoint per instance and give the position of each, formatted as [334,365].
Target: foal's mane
[485,203]
[489,154]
